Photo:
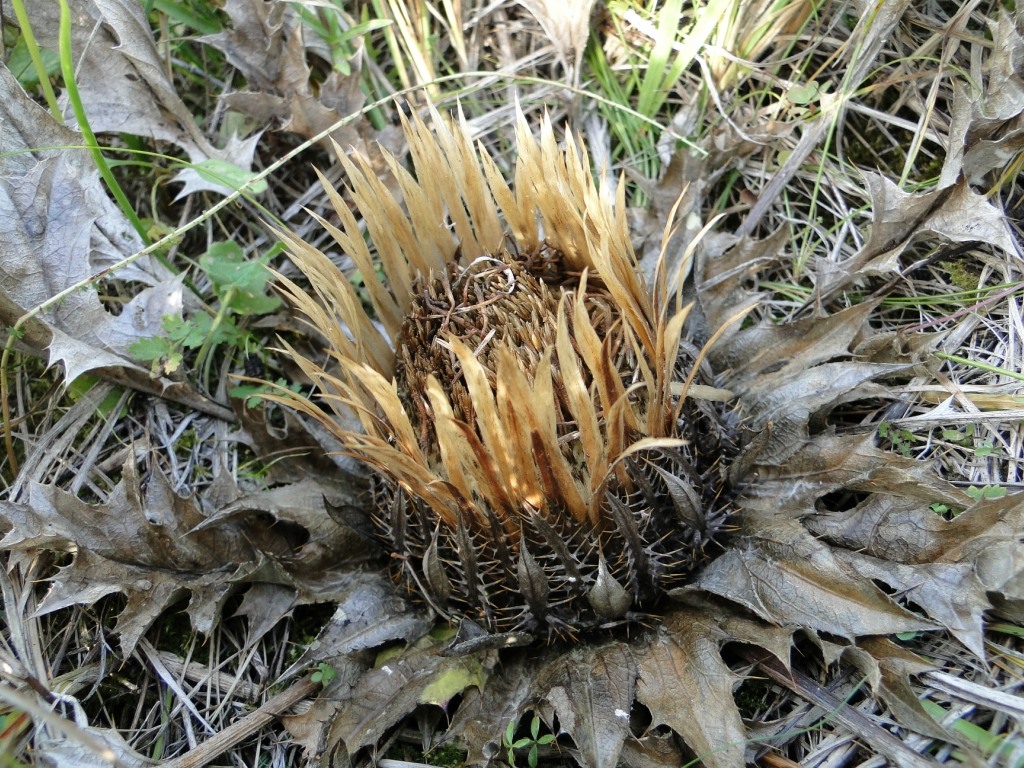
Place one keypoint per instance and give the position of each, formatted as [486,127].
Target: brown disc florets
[543,464]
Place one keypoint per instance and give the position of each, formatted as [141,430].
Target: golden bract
[539,467]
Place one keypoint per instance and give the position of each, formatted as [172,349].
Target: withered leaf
[265,42]
[388,692]
[954,212]
[60,229]
[985,123]
[368,616]
[891,668]
[149,543]
[764,349]
[895,528]
[686,686]
[485,713]
[830,462]
[788,398]
[591,690]
[905,529]
[949,593]
[788,578]
[124,84]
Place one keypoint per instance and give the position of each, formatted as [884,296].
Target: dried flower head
[542,462]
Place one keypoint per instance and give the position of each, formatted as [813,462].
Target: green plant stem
[979,365]
[74,98]
[204,357]
[37,59]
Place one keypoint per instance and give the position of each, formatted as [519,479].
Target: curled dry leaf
[155,547]
[954,212]
[266,42]
[986,128]
[394,687]
[687,686]
[591,690]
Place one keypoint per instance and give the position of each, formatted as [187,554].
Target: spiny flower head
[524,396]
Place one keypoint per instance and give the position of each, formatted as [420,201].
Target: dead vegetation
[188,578]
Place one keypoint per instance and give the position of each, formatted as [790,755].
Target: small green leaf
[986,492]
[151,348]
[804,94]
[1008,629]
[228,175]
[324,674]
[238,281]
[253,393]
[21,66]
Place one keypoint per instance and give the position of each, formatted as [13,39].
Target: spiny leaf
[591,690]
[890,668]
[607,596]
[387,693]
[954,211]
[686,686]
[786,577]
[60,229]
[155,546]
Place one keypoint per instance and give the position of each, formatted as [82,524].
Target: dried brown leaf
[947,567]
[986,129]
[905,529]
[767,349]
[831,462]
[124,84]
[891,668]
[486,712]
[591,690]
[156,547]
[394,688]
[686,686]
[60,229]
[265,42]
[955,213]
[788,578]
[949,593]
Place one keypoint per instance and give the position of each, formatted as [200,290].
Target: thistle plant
[561,448]
[543,462]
